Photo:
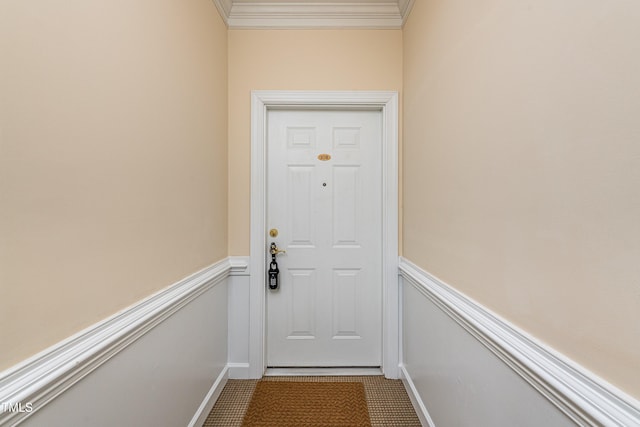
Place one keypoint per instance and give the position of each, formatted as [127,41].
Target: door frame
[387,103]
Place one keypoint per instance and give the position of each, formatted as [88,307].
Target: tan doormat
[312,404]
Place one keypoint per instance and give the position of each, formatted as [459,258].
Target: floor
[388,402]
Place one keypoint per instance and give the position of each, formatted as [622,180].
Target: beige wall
[522,167]
[296,60]
[113,170]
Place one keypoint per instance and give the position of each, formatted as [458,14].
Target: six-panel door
[324,196]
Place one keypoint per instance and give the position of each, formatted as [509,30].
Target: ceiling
[314,14]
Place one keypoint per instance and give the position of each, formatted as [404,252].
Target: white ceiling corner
[379,14]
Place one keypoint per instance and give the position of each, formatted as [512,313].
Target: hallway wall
[113,159]
[296,60]
[522,167]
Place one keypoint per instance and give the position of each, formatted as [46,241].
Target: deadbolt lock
[273,232]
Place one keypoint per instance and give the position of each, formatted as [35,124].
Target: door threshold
[321,372]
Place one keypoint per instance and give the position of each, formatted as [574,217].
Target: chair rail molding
[584,397]
[45,376]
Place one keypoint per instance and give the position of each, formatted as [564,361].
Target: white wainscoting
[160,362]
[239,315]
[465,366]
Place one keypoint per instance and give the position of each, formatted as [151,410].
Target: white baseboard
[582,396]
[238,371]
[77,362]
[416,401]
[210,399]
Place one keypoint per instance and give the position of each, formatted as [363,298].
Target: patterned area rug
[317,404]
[388,402]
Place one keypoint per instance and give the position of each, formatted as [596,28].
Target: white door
[324,197]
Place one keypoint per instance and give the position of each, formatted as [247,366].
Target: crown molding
[405,7]
[313,15]
[224,9]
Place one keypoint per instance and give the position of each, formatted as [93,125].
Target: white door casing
[324,197]
[387,103]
